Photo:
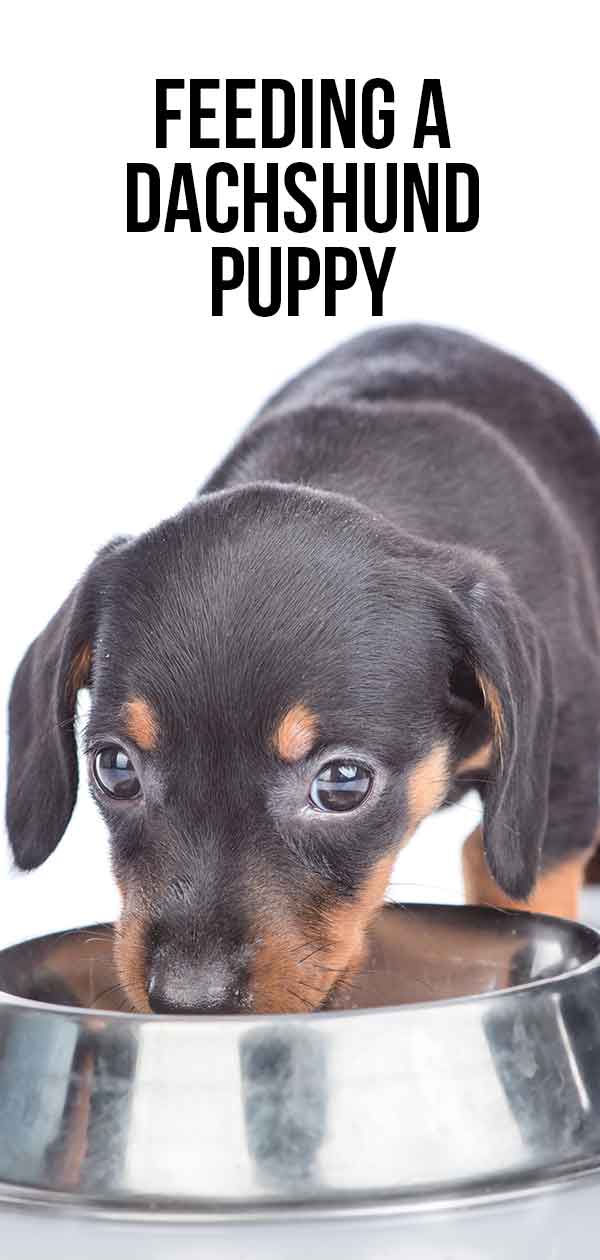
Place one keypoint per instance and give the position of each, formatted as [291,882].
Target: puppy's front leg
[556,891]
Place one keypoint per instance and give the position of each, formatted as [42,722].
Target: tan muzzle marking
[296,967]
[129,959]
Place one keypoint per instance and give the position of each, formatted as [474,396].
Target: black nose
[205,990]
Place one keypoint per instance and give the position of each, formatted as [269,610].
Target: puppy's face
[271,717]
[263,736]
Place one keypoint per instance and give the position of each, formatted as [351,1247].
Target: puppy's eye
[340,785]
[114,773]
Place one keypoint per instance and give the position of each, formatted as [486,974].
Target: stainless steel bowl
[414,1104]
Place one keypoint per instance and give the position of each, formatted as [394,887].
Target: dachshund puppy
[387,594]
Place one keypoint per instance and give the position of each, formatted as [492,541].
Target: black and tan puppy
[389,592]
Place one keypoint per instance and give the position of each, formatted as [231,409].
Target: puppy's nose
[209,989]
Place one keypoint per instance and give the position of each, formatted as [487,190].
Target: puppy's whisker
[305,984]
[299,998]
[318,949]
[112,988]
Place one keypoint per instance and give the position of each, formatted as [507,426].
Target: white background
[120,393]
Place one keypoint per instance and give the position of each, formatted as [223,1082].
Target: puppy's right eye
[340,786]
[114,773]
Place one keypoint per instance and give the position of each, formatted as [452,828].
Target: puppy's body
[388,592]
[454,441]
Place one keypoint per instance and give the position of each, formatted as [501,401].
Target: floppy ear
[42,762]
[505,652]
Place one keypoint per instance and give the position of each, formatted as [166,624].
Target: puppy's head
[278,680]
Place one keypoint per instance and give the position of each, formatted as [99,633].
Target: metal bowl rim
[9,1002]
[470,1198]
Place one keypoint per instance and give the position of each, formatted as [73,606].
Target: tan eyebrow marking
[141,723]
[296,733]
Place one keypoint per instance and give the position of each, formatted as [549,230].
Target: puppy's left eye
[114,773]
[340,786]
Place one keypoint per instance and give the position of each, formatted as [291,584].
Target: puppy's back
[421,363]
